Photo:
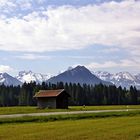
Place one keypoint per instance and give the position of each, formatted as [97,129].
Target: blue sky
[48,36]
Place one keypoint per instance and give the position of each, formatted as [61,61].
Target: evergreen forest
[79,94]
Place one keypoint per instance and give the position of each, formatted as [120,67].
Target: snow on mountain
[28,76]
[8,80]
[79,74]
[124,79]
[124,75]
[103,75]
[137,76]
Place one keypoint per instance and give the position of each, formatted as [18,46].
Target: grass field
[21,110]
[51,118]
[118,128]
[96,126]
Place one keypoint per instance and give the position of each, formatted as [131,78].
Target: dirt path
[61,113]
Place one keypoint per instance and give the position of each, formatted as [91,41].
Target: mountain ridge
[124,79]
[29,76]
[81,75]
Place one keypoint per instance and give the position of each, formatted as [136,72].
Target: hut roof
[48,93]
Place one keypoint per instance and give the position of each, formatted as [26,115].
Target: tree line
[79,94]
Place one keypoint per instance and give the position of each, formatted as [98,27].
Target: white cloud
[110,50]
[113,64]
[7,6]
[26,6]
[4,68]
[6,3]
[31,56]
[40,1]
[35,56]
[79,57]
[65,28]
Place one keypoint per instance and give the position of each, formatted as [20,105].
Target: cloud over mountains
[112,23]
[100,34]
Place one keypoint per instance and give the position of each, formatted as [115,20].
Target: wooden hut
[52,99]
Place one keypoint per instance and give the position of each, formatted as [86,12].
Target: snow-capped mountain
[103,75]
[124,79]
[79,74]
[28,76]
[8,80]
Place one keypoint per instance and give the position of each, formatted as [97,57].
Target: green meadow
[29,109]
[109,128]
[93,126]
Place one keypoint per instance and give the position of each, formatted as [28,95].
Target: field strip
[65,113]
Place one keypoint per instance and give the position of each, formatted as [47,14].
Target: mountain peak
[8,80]
[25,72]
[80,67]
[79,74]
[29,76]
